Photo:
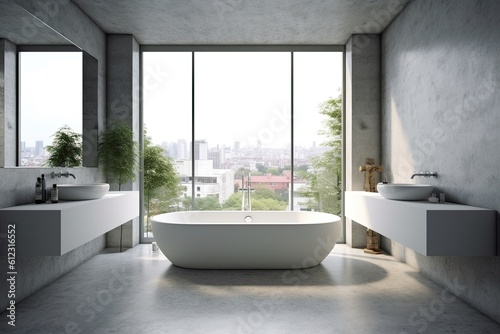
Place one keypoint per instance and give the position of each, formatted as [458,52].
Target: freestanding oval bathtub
[246,239]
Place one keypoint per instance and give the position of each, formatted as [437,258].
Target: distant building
[217,156]
[209,181]
[39,148]
[200,150]
[170,149]
[274,182]
[182,149]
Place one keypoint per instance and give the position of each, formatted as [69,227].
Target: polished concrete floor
[139,291]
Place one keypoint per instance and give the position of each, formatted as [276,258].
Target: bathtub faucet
[248,189]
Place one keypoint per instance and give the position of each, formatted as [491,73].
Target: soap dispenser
[44,190]
[38,190]
[54,194]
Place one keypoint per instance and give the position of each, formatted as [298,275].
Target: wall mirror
[55,83]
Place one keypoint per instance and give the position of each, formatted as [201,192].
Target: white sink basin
[405,192]
[81,192]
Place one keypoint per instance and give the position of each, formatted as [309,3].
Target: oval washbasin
[405,192]
[81,192]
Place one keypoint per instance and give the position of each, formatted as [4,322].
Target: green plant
[118,153]
[161,183]
[324,191]
[66,148]
[118,156]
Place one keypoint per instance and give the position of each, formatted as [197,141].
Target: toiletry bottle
[54,194]
[38,190]
[433,198]
[44,190]
[442,198]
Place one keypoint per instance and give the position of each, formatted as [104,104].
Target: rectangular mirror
[50,95]
[55,85]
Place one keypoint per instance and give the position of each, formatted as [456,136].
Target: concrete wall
[17,184]
[123,74]
[362,118]
[8,111]
[441,112]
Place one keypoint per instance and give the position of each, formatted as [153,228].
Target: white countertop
[428,228]
[53,229]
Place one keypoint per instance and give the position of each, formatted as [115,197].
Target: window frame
[239,48]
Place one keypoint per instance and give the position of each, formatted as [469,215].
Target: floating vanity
[55,229]
[431,229]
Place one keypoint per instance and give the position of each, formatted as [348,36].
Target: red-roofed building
[274,182]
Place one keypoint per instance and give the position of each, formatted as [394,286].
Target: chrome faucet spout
[426,174]
[61,174]
[68,174]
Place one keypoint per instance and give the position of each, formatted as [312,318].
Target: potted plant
[118,156]
[66,148]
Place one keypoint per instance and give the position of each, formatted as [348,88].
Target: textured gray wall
[362,124]
[123,73]
[17,184]
[70,22]
[441,111]
[8,110]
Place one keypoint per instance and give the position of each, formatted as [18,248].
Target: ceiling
[20,27]
[205,22]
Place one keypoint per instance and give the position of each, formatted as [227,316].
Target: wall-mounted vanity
[431,229]
[56,229]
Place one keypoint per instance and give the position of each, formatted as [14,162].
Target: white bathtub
[223,240]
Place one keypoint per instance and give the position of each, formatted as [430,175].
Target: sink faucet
[61,174]
[426,174]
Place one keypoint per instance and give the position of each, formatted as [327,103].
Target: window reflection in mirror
[50,97]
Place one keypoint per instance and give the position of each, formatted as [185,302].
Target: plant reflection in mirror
[66,148]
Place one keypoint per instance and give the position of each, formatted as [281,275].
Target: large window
[259,122]
[242,120]
[167,111]
[317,131]
[50,97]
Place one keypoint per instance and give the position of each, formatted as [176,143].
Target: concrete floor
[138,291]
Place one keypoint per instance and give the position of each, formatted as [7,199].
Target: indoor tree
[118,153]
[118,156]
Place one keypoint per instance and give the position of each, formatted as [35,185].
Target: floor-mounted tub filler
[246,239]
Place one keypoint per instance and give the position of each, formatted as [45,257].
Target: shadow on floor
[334,270]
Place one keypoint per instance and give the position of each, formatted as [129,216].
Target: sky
[239,96]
